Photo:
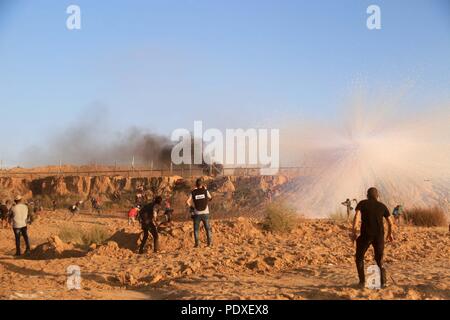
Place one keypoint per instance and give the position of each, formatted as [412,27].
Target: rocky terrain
[314,261]
[236,191]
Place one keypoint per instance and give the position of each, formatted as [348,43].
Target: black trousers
[154,231]
[362,245]
[17,233]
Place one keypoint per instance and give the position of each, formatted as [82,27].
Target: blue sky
[160,65]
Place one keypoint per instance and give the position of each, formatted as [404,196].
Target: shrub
[280,218]
[71,234]
[95,235]
[81,237]
[426,217]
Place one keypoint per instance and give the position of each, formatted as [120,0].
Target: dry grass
[426,217]
[97,235]
[280,218]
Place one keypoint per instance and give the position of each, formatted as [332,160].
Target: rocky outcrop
[107,187]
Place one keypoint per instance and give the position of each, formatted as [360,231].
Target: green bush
[280,218]
[426,217]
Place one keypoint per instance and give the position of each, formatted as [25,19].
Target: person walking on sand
[19,217]
[148,216]
[397,213]
[74,210]
[168,212]
[198,203]
[96,206]
[372,213]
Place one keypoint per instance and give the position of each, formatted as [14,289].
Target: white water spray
[407,158]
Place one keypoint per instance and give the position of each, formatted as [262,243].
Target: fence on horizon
[184,172]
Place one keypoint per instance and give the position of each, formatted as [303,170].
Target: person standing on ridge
[372,213]
[198,203]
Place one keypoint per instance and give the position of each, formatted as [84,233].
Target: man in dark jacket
[372,213]
[148,218]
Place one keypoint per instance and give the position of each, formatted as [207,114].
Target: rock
[111,245]
[58,245]
[175,232]
[290,296]
[156,278]
[413,295]
[126,278]
[273,262]
[93,246]
[186,227]
[187,272]
[256,265]
[227,187]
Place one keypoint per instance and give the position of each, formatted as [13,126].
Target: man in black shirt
[198,203]
[372,233]
[148,217]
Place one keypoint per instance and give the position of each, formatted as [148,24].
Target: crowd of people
[148,216]
[369,214]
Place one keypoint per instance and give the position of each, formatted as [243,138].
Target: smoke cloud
[92,139]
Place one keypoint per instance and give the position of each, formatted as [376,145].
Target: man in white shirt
[19,217]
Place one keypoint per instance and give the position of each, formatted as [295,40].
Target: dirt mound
[314,261]
[126,240]
[112,249]
[55,248]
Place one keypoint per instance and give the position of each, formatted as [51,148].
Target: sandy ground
[315,261]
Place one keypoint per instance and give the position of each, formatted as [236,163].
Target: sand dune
[315,261]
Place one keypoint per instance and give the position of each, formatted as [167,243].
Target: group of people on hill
[396,213]
[148,214]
